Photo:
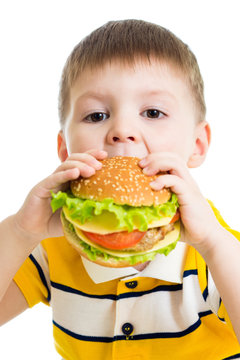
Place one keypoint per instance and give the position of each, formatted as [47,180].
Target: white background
[36,37]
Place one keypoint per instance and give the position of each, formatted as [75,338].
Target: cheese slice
[169,238]
[106,223]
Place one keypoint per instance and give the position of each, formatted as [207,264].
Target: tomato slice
[116,241]
[175,217]
[120,240]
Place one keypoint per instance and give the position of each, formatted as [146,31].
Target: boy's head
[132,88]
[128,41]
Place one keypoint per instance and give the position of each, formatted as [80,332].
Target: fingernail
[98,165]
[147,170]
[154,185]
[143,162]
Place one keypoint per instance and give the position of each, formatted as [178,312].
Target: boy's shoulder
[222,221]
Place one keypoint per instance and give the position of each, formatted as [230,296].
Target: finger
[85,169]
[175,183]
[98,154]
[91,158]
[55,182]
[91,155]
[85,158]
[167,162]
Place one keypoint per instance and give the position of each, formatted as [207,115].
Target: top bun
[122,179]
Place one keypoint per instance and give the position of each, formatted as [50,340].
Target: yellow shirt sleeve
[32,281]
[222,312]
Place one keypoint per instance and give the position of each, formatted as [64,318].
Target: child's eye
[153,113]
[96,117]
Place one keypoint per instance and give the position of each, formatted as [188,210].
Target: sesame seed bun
[122,179]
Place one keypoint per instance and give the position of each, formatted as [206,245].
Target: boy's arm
[12,304]
[219,248]
[14,249]
[223,260]
[22,232]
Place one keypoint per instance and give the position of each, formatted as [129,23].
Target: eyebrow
[101,96]
[158,92]
[93,95]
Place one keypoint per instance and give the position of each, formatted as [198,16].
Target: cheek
[172,141]
[161,141]
[80,140]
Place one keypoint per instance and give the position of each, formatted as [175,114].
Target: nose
[123,132]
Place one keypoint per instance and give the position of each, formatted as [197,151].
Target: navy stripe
[78,292]
[190,272]
[41,274]
[117,297]
[104,339]
[163,335]
[205,313]
[205,293]
[236,356]
[222,319]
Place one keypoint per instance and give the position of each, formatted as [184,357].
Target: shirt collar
[167,268]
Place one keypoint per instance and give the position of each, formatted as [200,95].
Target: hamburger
[115,218]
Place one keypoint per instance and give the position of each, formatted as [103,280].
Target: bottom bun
[108,260]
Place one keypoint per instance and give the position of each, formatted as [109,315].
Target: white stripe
[103,317]
[83,315]
[213,298]
[41,256]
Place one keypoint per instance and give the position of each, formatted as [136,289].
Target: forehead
[139,76]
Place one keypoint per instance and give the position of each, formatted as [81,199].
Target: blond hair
[128,41]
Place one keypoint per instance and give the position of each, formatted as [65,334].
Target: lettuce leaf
[127,216]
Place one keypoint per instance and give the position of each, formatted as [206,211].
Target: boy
[130,88]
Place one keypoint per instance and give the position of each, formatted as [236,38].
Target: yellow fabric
[28,280]
[212,339]
[203,343]
[222,313]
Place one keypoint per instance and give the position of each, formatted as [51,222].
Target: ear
[62,146]
[201,144]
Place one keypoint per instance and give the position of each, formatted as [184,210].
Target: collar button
[127,329]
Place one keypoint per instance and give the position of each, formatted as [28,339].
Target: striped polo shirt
[169,310]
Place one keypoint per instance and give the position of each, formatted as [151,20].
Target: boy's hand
[197,217]
[35,220]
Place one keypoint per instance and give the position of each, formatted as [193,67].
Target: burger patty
[151,237]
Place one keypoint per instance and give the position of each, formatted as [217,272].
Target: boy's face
[131,111]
